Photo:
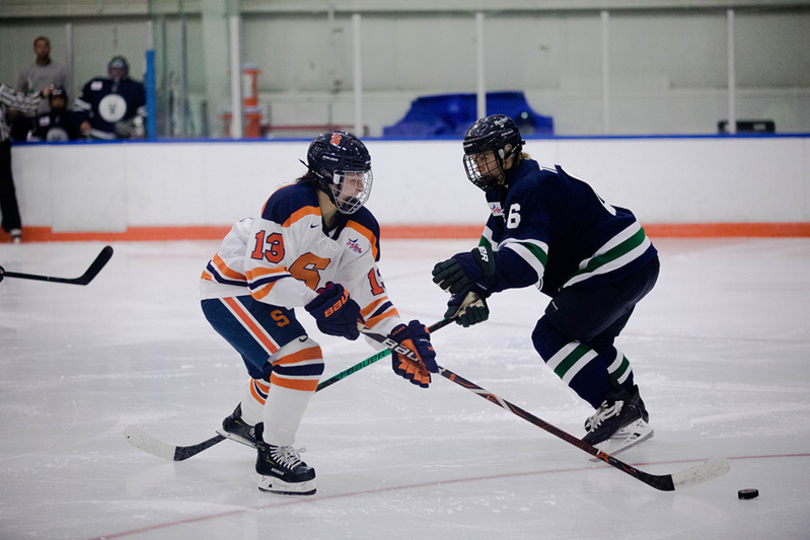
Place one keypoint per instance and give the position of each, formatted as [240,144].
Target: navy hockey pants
[575,336]
[255,329]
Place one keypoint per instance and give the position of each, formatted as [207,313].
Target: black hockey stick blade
[146,442]
[84,279]
[697,474]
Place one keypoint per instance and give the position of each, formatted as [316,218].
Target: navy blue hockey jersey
[552,230]
[104,103]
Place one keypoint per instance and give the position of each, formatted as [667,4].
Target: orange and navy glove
[336,313]
[417,359]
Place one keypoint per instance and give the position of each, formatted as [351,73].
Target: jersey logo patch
[496,209]
[112,108]
[354,246]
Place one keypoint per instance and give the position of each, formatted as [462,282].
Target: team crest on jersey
[496,209]
[354,246]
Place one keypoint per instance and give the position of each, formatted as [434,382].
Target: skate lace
[287,456]
[603,413]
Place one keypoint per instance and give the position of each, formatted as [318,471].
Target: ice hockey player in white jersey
[552,231]
[313,246]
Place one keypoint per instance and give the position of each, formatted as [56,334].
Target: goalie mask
[341,165]
[487,145]
[118,69]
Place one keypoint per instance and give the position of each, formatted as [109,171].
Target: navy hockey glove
[464,269]
[335,312]
[469,308]
[416,338]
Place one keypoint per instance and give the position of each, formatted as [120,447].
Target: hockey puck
[748,494]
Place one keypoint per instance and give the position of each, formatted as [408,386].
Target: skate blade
[236,438]
[626,438]
[270,484]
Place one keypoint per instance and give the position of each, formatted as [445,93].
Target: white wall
[109,187]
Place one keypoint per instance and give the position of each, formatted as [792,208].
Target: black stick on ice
[84,279]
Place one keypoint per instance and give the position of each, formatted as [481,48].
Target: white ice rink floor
[721,351]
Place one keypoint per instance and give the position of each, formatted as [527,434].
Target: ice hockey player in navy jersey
[57,125]
[550,230]
[114,107]
[313,246]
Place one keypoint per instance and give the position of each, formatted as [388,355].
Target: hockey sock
[297,367]
[577,364]
[618,367]
[254,396]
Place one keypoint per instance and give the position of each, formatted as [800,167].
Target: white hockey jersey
[284,256]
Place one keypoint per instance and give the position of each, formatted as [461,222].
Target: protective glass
[351,189]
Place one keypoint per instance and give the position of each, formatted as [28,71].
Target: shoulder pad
[288,201]
[364,222]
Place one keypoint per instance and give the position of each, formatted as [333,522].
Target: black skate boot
[282,470]
[619,409]
[235,429]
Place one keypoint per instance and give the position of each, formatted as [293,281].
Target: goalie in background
[312,246]
[113,107]
[552,231]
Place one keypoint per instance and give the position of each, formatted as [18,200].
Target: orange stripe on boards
[722,230]
[427,231]
[257,331]
[307,385]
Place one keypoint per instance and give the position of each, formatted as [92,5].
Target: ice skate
[619,410]
[627,437]
[235,429]
[282,470]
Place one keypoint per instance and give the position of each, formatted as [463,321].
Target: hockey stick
[692,476]
[146,442]
[86,278]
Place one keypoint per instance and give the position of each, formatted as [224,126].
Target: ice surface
[721,351]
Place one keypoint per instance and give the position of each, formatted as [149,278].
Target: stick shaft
[663,482]
[84,279]
[371,359]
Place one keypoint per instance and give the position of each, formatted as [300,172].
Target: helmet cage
[349,190]
[488,144]
[485,169]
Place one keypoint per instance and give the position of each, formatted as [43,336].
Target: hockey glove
[465,269]
[468,309]
[335,312]
[416,339]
